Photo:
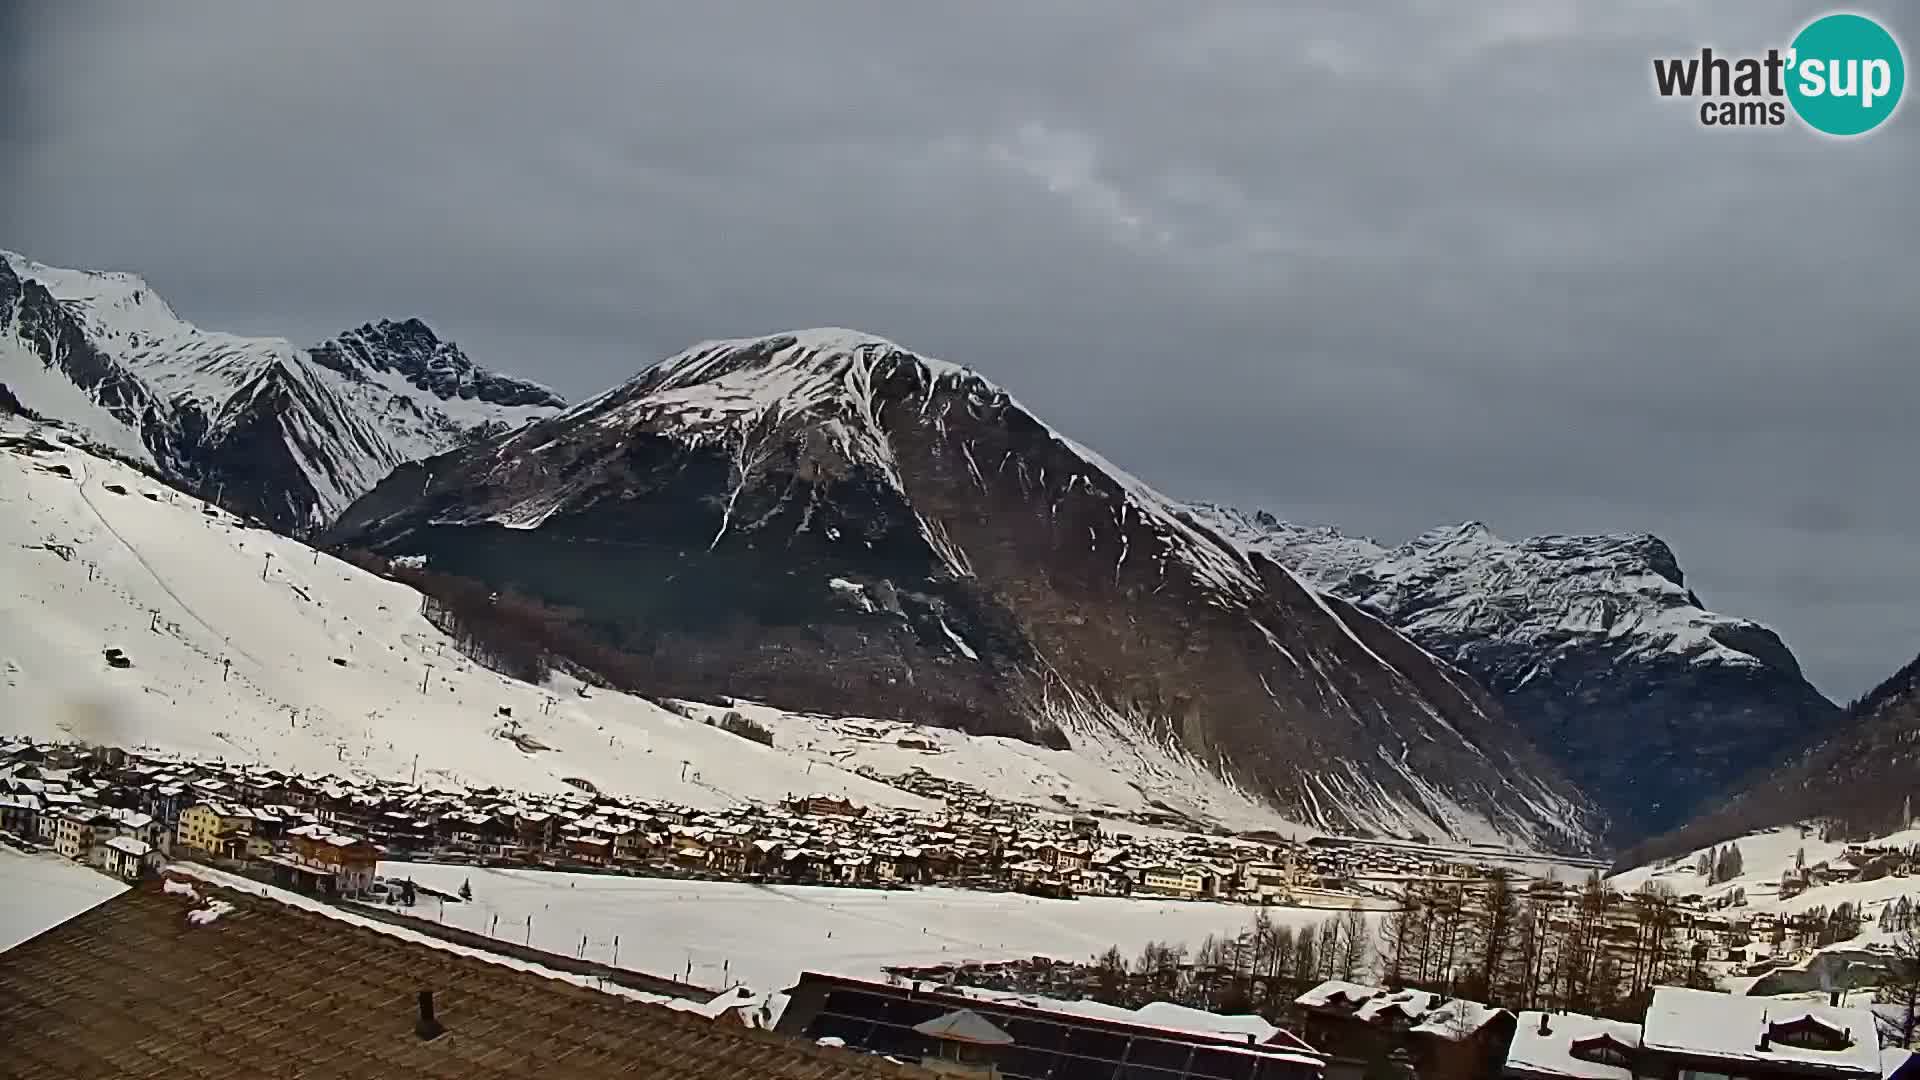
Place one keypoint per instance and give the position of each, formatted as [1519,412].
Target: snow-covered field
[765,936]
[39,892]
[334,670]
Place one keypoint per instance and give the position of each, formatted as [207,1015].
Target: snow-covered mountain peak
[1643,552]
[1467,533]
[1466,577]
[127,295]
[1320,554]
[850,396]
[826,349]
[276,430]
[411,349]
[828,369]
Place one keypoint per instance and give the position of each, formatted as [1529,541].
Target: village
[126,812]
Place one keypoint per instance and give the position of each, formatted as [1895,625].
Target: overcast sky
[1384,266]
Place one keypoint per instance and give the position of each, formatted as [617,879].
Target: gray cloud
[1381,266]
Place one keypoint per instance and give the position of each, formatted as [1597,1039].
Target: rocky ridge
[1594,644]
[284,434]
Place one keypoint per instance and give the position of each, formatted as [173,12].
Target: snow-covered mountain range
[826,520]
[1595,645]
[282,433]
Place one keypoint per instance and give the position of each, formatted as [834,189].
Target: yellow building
[215,827]
[1173,881]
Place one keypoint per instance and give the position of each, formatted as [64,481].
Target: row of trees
[1594,951]
[1723,863]
[505,630]
[1261,969]
[1899,916]
[1899,993]
[1821,926]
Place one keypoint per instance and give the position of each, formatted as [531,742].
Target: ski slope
[186,591]
[249,646]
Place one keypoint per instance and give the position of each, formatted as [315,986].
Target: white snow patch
[43,891]
[209,914]
[965,649]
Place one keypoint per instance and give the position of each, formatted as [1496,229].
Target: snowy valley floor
[765,936]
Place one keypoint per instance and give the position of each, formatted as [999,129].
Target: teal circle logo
[1846,74]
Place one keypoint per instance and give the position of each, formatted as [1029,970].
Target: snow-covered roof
[1551,1053]
[225,880]
[1350,993]
[1458,1019]
[1730,1027]
[1412,1004]
[127,845]
[964,1026]
[1166,1014]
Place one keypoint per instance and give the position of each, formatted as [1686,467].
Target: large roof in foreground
[134,989]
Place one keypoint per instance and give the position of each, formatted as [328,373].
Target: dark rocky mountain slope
[1862,779]
[826,521]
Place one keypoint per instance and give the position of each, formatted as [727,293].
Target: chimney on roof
[1544,1029]
[427,1027]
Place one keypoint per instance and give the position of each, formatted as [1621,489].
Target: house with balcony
[72,833]
[323,861]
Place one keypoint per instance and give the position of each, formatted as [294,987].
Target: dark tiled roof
[131,990]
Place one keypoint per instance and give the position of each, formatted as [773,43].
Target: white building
[127,858]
